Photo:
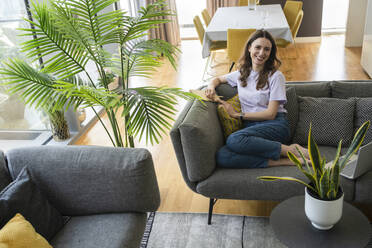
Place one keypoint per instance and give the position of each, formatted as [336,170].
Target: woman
[261,89]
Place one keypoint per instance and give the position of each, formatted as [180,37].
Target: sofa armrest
[82,180]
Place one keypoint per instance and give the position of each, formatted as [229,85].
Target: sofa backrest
[84,180]
[351,88]
[337,118]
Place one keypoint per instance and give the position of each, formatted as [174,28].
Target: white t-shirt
[253,100]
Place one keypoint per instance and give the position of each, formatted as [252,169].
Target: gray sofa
[336,109]
[106,191]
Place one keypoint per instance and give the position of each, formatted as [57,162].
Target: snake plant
[324,180]
[68,35]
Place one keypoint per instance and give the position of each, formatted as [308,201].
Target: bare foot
[280,162]
[285,162]
[302,149]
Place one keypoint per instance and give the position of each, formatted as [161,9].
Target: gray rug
[186,230]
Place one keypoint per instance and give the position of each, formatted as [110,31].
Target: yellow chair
[236,41]
[216,45]
[291,10]
[245,2]
[294,30]
[206,17]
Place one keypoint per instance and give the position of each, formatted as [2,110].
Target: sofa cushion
[22,196]
[226,91]
[175,135]
[331,118]
[347,89]
[5,178]
[311,89]
[104,230]
[292,109]
[201,136]
[363,113]
[18,232]
[243,184]
[230,124]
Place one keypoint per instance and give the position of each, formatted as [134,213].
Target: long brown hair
[270,66]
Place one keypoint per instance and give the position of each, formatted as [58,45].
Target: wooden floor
[327,60]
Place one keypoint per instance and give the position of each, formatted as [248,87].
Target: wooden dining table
[269,17]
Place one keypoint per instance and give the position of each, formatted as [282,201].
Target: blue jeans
[255,144]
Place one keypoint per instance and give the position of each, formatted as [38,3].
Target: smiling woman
[262,94]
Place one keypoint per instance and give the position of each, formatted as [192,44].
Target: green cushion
[201,137]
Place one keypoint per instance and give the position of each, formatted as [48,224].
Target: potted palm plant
[323,194]
[69,34]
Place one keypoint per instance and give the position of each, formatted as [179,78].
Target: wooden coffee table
[293,229]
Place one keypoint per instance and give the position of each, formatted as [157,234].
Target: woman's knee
[236,140]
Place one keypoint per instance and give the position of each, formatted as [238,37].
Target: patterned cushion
[331,118]
[363,113]
[292,109]
[229,124]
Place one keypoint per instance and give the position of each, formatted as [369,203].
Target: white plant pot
[323,214]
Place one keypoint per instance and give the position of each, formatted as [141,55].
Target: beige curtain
[212,5]
[170,31]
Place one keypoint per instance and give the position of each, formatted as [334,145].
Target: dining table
[269,17]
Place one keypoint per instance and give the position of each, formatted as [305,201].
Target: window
[14,115]
[186,10]
[334,15]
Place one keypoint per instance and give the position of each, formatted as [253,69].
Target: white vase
[323,214]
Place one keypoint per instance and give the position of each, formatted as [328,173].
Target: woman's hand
[210,92]
[229,109]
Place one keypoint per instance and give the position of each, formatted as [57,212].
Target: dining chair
[294,30]
[215,46]
[206,17]
[236,41]
[245,2]
[291,10]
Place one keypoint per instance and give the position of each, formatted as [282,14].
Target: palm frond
[36,88]
[99,26]
[89,96]
[148,17]
[62,55]
[150,110]
[141,57]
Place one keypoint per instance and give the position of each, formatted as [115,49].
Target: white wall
[355,23]
[366,59]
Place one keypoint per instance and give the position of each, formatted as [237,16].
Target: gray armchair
[106,191]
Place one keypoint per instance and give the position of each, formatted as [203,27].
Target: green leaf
[314,153]
[355,143]
[324,184]
[273,178]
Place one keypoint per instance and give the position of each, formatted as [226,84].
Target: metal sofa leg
[212,201]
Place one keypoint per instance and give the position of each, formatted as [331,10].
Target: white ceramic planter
[323,214]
